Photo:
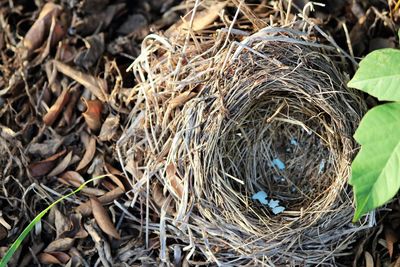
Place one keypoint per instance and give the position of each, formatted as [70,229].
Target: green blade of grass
[17,243]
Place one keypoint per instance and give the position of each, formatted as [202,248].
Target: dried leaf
[97,86]
[159,198]
[89,154]
[181,99]
[72,178]
[61,244]
[117,181]
[56,108]
[109,128]
[61,223]
[102,218]
[47,258]
[77,230]
[174,180]
[91,23]
[43,167]
[86,208]
[69,110]
[94,49]
[391,239]
[92,115]
[3,232]
[201,19]
[36,35]
[369,261]
[62,165]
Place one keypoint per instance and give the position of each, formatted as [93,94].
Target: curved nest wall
[217,122]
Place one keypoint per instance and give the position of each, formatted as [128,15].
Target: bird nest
[219,121]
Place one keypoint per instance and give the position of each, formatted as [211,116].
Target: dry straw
[211,114]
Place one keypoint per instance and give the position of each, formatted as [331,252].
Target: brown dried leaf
[97,86]
[174,180]
[181,99]
[92,115]
[43,167]
[102,218]
[62,165]
[117,181]
[47,258]
[86,208]
[369,260]
[72,178]
[109,128]
[89,154]
[69,110]
[3,232]
[61,244]
[61,223]
[36,35]
[159,198]
[391,239]
[56,108]
[201,19]
[94,50]
[77,230]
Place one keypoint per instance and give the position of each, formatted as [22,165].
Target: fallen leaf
[103,219]
[72,178]
[62,165]
[391,239]
[90,24]
[201,19]
[69,110]
[43,167]
[86,208]
[116,181]
[89,154]
[92,115]
[159,198]
[47,258]
[181,99]
[369,261]
[61,223]
[109,128]
[56,108]
[97,86]
[76,230]
[94,45]
[61,244]
[36,35]
[174,180]
[3,232]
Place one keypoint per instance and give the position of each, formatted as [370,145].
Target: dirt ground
[54,57]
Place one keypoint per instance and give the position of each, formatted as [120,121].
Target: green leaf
[379,75]
[376,168]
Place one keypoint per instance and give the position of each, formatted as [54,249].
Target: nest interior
[221,117]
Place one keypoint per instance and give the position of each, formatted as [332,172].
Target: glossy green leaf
[376,168]
[379,75]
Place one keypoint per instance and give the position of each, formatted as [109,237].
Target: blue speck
[278,163]
[294,142]
[261,196]
[278,210]
[321,166]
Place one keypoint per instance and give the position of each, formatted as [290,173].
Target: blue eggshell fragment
[261,196]
[278,210]
[278,163]
[273,203]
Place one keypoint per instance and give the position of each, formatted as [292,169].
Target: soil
[54,58]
